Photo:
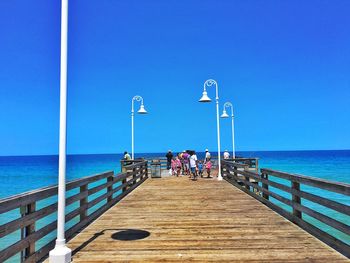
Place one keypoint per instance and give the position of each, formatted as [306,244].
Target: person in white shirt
[226,155]
[193,164]
[207,155]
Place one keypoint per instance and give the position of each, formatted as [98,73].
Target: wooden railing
[291,195]
[28,228]
[253,163]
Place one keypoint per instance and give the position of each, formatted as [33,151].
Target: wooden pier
[204,220]
[132,217]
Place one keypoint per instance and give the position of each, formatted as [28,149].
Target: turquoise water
[24,173]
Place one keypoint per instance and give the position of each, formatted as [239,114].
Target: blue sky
[283,64]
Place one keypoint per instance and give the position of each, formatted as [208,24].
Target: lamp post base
[60,254]
[219,177]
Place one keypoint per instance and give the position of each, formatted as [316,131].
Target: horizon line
[56,154]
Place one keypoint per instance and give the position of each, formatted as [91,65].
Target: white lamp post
[140,111]
[205,98]
[225,115]
[61,253]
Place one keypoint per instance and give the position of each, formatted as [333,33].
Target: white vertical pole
[132,130]
[233,137]
[218,131]
[61,253]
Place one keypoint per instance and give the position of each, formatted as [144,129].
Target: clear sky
[285,65]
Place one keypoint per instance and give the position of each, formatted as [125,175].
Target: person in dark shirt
[169,156]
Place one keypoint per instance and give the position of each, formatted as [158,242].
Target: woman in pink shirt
[173,166]
[178,166]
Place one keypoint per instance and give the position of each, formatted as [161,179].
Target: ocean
[19,174]
[24,173]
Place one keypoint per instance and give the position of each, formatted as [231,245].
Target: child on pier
[200,169]
[208,167]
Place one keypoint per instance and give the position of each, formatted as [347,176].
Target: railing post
[22,210]
[29,208]
[222,169]
[83,202]
[134,174]
[265,186]
[145,173]
[110,188]
[124,181]
[228,172]
[296,199]
[246,169]
[235,173]
[122,166]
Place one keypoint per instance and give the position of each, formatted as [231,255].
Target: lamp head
[142,110]
[205,97]
[224,114]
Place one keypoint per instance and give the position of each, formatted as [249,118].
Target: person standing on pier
[186,160]
[127,158]
[200,169]
[182,162]
[207,155]
[174,166]
[169,156]
[226,155]
[193,164]
[178,166]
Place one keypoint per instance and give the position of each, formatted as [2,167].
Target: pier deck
[204,220]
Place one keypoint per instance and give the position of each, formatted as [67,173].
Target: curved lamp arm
[211,82]
[227,105]
[135,98]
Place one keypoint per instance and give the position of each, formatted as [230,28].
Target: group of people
[187,163]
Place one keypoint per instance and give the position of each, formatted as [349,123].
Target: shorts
[193,169]
[187,166]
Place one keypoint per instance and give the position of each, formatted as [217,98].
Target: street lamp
[140,111]
[61,253]
[225,115]
[205,98]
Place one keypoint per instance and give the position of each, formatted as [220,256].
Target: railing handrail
[25,198]
[257,185]
[111,191]
[135,164]
[341,188]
